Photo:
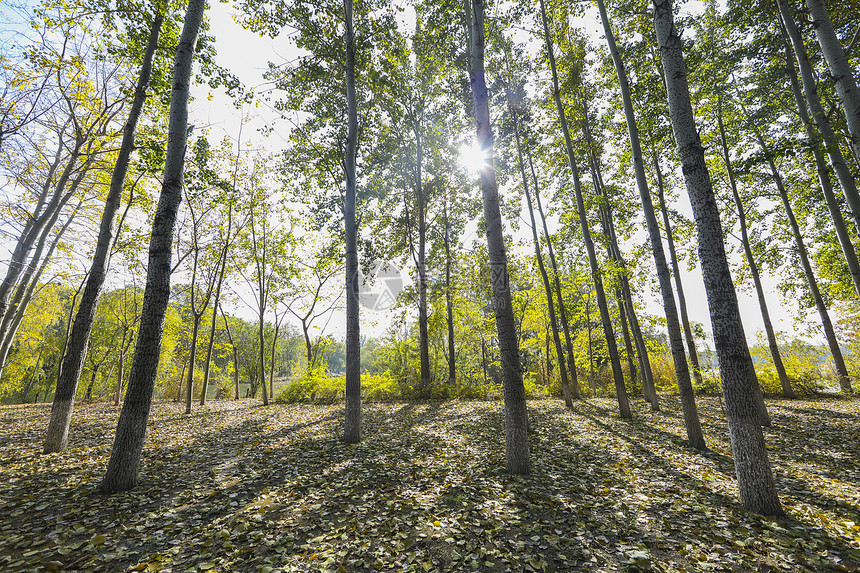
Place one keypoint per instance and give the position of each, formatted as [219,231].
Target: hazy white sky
[246,54]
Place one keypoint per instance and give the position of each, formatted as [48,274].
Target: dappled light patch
[237,487]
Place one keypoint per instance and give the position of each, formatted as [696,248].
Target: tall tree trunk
[516,415]
[212,330]
[755,478]
[553,323]
[484,359]
[32,377]
[840,69]
[122,470]
[685,387]
[272,356]
[612,347]
[632,357]
[562,312]
[829,333]
[57,435]
[181,381]
[39,222]
[24,295]
[261,333]
[823,171]
[192,360]
[352,412]
[423,335]
[831,143]
[89,393]
[449,299]
[13,312]
[235,353]
[649,389]
[679,285]
[787,390]
[119,376]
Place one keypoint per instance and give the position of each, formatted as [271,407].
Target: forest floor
[240,487]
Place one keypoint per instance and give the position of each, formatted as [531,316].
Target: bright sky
[246,54]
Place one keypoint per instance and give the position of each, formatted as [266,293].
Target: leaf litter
[238,487]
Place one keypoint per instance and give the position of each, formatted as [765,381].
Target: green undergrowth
[320,387]
[235,486]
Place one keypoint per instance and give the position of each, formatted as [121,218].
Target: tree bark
[755,478]
[612,347]
[516,415]
[823,171]
[820,305]
[565,382]
[831,143]
[562,312]
[192,360]
[787,390]
[449,299]
[34,227]
[423,335]
[352,412]
[122,470]
[840,70]
[626,308]
[56,438]
[685,387]
[24,294]
[679,286]
[632,357]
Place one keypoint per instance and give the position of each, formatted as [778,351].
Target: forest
[462,290]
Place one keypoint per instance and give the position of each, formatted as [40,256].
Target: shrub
[315,386]
[804,363]
[319,387]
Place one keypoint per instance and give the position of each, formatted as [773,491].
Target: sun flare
[472,157]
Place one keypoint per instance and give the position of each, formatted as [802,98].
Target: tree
[309,302]
[553,323]
[787,391]
[516,416]
[755,479]
[820,305]
[122,470]
[813,100]
[57,435]
[840,70]
[618,375]
[352,414]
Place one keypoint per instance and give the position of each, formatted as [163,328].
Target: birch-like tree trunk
[676,273]
[813,100]
[840,69]
[611,345]
[685,385]
[420,264]
[352,414]
[449,298]
[57,435]
[803,255]
[625,306]
[787,390]
[565,381]
[823,171]
[235,354]
[122,470]
[562,311]
[516,414]
[752,467]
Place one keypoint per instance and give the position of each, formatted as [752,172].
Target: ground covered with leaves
[240,487]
